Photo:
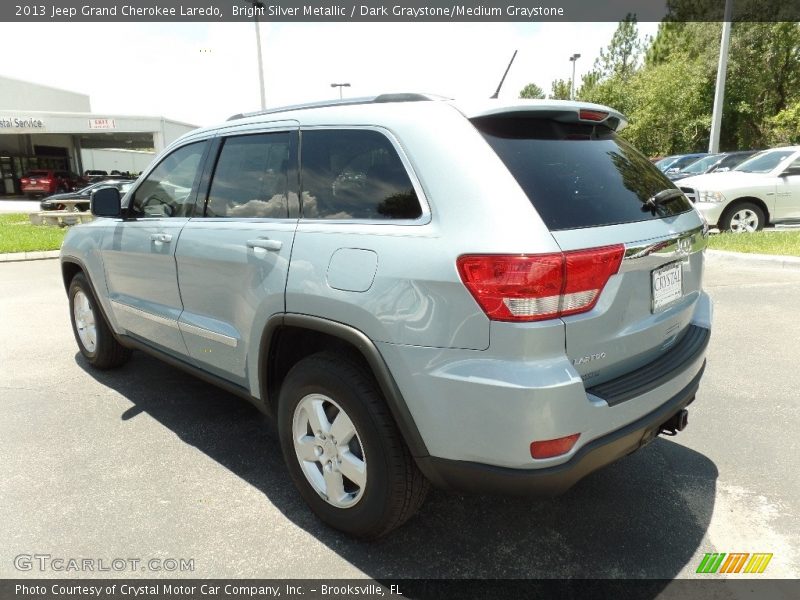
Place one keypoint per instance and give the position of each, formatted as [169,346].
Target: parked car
[44,182]
[711,163]
[678,161]
[67,200]
[94,175]
[496,297]
[763,189]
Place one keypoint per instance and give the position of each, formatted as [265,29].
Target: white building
[42,127]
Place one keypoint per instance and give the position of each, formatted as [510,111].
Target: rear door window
[354,174]
[579,175]
[251,178]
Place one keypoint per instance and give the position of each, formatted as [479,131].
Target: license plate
[667,284]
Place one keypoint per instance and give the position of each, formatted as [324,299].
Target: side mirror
[106,202]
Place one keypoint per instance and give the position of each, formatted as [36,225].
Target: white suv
[763,189]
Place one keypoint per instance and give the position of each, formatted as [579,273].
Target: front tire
[343,450]
[743,217]
[93,335]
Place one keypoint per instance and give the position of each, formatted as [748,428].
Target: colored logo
[742,562]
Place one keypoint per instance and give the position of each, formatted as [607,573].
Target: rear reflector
[551,448]
[592,115]
[535,287]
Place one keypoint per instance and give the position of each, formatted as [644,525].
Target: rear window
[37,174]
[578,175]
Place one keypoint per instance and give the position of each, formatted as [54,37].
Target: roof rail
[399,97]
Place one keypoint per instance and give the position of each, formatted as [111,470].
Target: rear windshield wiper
[660,198]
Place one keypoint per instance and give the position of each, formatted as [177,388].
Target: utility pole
[573,59]
[260,6]
[722,69]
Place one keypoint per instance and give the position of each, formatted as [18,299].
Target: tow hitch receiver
[676,423]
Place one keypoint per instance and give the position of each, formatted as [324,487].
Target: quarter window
[251,178]
[354,174]
[167,190]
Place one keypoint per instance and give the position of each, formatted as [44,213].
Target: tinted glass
[731,160]
[702,165]
[354,174]
[251,178]
[167,190]
[764,162]
[579,175]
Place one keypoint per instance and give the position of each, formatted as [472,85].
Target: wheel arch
[291,337]
[731,207]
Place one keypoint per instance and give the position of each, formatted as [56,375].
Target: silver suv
[500,297]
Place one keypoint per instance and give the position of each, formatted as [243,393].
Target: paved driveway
[148,462]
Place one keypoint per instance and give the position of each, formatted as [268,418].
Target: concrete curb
[19,256]
[765,260]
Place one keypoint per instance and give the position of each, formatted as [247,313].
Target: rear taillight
[24,181]
[535,287]
[45,181]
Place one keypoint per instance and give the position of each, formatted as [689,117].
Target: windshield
[764,162]
[702,165]
[665,162]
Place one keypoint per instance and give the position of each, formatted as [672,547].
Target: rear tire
[344,452]
[742,217]
[93,335]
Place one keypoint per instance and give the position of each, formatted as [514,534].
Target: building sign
[21,123]
[102,124]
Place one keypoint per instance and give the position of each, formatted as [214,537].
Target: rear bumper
[551,481]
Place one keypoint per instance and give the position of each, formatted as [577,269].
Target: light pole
[573,59]
[340,86]
[259,6]
[719,92]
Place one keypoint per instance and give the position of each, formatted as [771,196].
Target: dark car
[713,163]
[43,182]
[93,176]
[79,200]
[678,161]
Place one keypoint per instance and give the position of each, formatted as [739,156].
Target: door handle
[266,244]
[161,238]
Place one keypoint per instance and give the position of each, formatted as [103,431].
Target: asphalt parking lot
[149,462]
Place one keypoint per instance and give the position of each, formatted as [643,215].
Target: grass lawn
[778,242]
[18,235]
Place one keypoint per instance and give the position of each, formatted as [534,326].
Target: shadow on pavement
[643,517]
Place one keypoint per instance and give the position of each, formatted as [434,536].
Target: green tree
[560,90]
[621,57]
[619,61]
[784,128]
[532,92]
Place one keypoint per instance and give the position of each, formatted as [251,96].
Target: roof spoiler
[557,110]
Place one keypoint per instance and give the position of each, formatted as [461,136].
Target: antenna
[497,93]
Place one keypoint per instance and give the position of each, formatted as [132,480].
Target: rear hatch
[36,180]
[594,190]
